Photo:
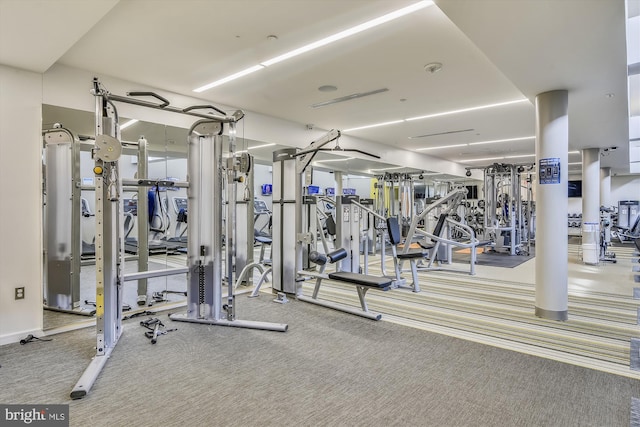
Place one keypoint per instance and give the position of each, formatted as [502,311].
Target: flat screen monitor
[575,188]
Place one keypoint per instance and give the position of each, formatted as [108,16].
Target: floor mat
[493,259]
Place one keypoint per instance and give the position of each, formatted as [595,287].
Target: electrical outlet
[20,293]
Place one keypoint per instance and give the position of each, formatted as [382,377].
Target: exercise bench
[362,282]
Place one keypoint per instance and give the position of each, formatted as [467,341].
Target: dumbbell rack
[574,222]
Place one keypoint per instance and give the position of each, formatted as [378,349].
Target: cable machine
[204,257]
[505,214]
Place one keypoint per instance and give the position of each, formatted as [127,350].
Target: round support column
[552,144]
[590,205]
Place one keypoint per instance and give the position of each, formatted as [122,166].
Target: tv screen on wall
[575,188]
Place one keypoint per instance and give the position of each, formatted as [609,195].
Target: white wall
[625,188]
[21,229]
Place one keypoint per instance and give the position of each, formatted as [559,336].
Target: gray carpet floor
[54,319]
[329,369]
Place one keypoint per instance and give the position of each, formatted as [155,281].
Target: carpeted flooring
[329,369]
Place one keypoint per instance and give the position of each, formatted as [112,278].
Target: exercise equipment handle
[164,101]
[203,107]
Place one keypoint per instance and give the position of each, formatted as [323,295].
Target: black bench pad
[362,279]
[480,243]
[412,255]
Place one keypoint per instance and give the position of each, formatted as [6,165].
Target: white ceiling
[491,50]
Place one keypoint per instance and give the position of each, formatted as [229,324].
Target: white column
[605,187]
[590,205]
[552,145]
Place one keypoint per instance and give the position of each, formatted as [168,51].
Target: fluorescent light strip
[502,140]
[261,146]
[446,113]
[441,146]
[497,158]
[517,157]
[476,143]
[481,160]
[388,169]
[129,123]
[230,78]
[322,42]
[375,125]
[335,160]
[257,146]
[466,110]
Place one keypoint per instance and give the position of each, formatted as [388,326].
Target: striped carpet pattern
[329,369]
[597,334]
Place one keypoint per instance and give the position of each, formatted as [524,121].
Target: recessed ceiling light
[441,146]
[261,146]
[327,88]
[496,158]
[482,159]
[335,160]
[446,113]
[465,110]
[518,156]
[523,138]
[322,42]
[129,123]
[272,37]
[388,169]
[433,67]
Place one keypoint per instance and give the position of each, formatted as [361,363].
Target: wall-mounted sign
[549,171]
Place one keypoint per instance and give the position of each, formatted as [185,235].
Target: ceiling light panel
[496,141]
[319,43]
[441,114]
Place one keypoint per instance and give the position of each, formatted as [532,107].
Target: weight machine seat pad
[263,240]
[480,243]
[383,283]
[393,230]
[337,255]
[412,255]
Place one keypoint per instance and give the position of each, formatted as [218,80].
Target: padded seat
[412,255]
[378,282]
[263,239]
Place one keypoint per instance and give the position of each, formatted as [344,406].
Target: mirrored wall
[157,215]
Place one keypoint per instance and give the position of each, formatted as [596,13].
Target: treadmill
[181,209]
[156,246]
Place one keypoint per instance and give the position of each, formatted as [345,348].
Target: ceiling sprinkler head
[433,67]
